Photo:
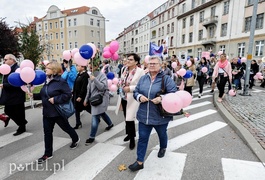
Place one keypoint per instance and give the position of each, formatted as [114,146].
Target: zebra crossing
[100,160]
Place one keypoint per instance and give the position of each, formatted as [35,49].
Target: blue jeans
[95,122]
[48,125]
[236,83]
[144,134]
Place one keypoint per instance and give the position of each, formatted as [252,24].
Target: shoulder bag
[162,111]
[65,110]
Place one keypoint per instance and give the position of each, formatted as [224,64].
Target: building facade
[64,30]
[192,27]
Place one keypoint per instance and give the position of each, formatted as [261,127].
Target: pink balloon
[115,56]
[45,62]
[182,72]
[93,47]
[73,51]
[67,55]
[79,60]
[109,82]
[106,48]
[5,69]
[219,53]
[174,65]
[185,97]
[113,88]
[146,59]
[115,81]
[243,59]
[106,54]
[25,89]
[18,70]
[258,74]
[172,103]
[195,59]
[114,46]
[188,63]
[27,74]
[232,92]
[204,69]
[255,77]
[261,77]
[26,63]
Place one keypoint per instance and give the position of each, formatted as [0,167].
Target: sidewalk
[246,115]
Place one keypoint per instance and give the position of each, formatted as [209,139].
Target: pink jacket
[227,69]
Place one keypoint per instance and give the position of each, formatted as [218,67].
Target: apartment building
[196,26]
[71,28]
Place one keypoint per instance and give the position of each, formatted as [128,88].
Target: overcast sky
[120,13]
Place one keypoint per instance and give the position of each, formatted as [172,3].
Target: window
[51,37]
[61,24]
[46,26]
[62,45]
[259,21]
[92,33]
[203,1]
[173,12]
[70,45]
[75,22]
[57,36]
[75,33]
[168,14]
[163,17]
[200,35]
[69,22]
[70,34]
[159,32]
[192,4]
[199,53]
[222,48]
[56,25]
[98,32]
[241,49]
[211,31]
[76,45]
[94,12]
[224,30]
[201,16]
[50,25]
[213,10]
[159,19]
[57,46]
[259,48]
[162,31]
[183,8]
[98,23]
[168,28]
[183,39]
[251,2]
[46,36]
[61,35]
[190,37]
[91,22]
[184,23]
[172,27]
[39,27]
[191,20]
[171,41]
[247,23]
[226,7]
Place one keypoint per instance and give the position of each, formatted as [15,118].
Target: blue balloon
[39,78]
[15,80]
[110,75]
[86,51]
[188,74]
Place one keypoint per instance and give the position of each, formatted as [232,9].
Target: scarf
[127,77]
[222,64]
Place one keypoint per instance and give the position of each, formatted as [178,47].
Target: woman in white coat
[129,80]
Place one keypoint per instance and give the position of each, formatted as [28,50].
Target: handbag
[65,110]
[161,110]
[96,100]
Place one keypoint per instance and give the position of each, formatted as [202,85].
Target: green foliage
[29,45]
[8,40]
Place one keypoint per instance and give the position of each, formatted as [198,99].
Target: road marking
[184,139]
[169,167]
[244,170]
[28,155]
[177,122]
[197,105]
[203,97]
[90,163]
[9,138]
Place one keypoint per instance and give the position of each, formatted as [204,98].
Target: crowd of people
[138,88]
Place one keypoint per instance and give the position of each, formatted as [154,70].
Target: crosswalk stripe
[184,139]
[203,97]
[244,170]
[100,155]
[170,167]
[28,155]
[204,92]
[197,105]
[9,138]
[119,140]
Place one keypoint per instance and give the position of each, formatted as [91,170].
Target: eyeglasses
[130,59]
[153,64]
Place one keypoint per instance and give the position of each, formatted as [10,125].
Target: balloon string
[30,99]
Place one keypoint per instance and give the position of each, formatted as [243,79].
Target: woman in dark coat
[79,94]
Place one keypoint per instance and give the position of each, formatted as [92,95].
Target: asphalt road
[201,147]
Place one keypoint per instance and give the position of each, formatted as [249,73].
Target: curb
[240,130]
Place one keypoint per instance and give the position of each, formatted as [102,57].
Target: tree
[8,40]
[29,44]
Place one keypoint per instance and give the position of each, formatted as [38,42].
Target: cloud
[120,13]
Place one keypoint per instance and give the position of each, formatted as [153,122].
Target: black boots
[130,131]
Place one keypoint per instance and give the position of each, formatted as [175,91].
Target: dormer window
[94,12]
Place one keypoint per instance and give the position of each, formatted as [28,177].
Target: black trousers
[17,113]
[129,125]
[201,80]
[189,89]
[221,85]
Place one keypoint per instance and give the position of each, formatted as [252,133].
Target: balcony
[210,21]
[208,41]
